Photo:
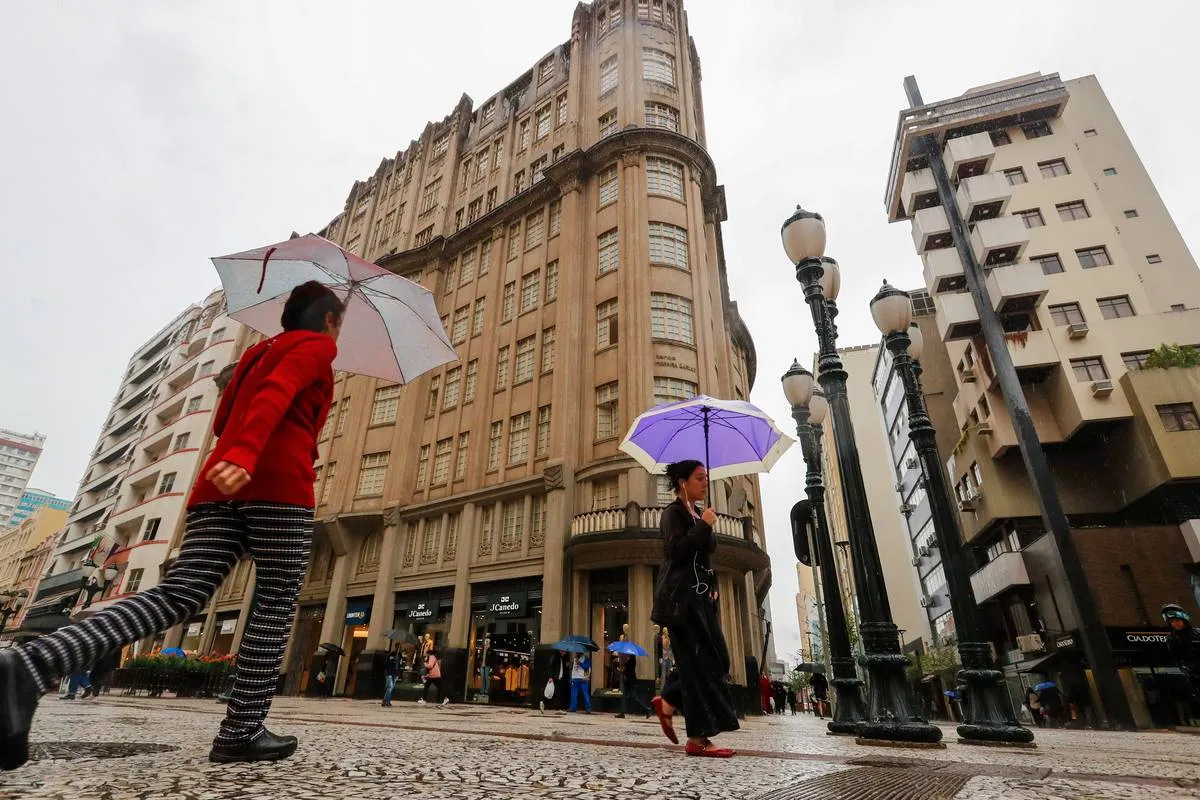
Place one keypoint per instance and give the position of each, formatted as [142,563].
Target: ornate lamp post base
[891,716]
[850,710]
[989,718]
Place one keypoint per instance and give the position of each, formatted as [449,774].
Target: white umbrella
[391,329]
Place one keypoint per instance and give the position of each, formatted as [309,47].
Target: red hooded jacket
[269,418]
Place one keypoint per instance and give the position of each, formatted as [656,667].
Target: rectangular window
[151,532]
[1032,217]
[1135,360]
[194,405]
[482,161]
[543,432]
[673,390]
[1000,138]
[552,281]
[422,465]
[658,66]
[1055,168]
[668,245]
[518,439]
[219,334]
[671,318]
[477,317]
[557,153]
[514,240]
[423,237]
[451,276]
[474,210]
[1115,307]
[535,229]
[519,182]
[1179,417]
[491,200]
[608,419]
[609,251]
[561,104]
[608,78]
[1069,212]
[462,321]
[660,115]
[606,324]
[1051,264]
[1110,171]
[441,144]
[1131,213]
[1036,130]
[502,368]
[441,462]
[206,369]
[547,350]
[1066,314]
[371,474]
[453,381]
[608,186]
[555,218]
[537,170]
[608,124]
[523,135]
[430,195]
[435,387]
[467,266]
[1089,369]
[1093,257]
[664,178]
[471,379]
[494,437]
[1015,176]
[606,493]
[458,219]
[513,530]
[523,370]
[544,122]
[181,441]
[383,409]
[167,483]
[460,458]
[537,530]
[663,492]
[508,305]
[546,70]
[133,581]
[531,290]
[330,471]
[497,153]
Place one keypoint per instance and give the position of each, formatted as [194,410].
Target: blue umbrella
[569,646]
[1044,685]
[627,649]
[174,651]
[586,641]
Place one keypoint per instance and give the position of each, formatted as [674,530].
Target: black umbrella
[333,648]
[808,666]
[404,637]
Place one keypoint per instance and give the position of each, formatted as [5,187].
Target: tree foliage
[1173,355]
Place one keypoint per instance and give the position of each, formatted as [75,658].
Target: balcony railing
[999,575]
[608,520]
[58,583]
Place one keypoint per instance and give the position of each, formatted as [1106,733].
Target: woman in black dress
[685,600]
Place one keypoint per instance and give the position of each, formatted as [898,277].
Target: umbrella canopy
[730,437]
[570,646]
[1044,685]
[330,647]
[391,329]
[809,666]
[627,649]
[404,637]
[586,641]
[174,651]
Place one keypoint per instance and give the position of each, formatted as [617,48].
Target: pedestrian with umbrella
[627,654]
[255,492]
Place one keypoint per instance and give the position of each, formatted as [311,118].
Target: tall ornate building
[569,226]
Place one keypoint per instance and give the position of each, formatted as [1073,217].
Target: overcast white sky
[140,138]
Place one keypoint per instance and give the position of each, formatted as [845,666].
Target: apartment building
[19,454]
[1089,275]
[33,499]
[18,542]
[136,483]
[569,225]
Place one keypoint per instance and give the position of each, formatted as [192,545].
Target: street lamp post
[809,409]
[891,711]
[988,709]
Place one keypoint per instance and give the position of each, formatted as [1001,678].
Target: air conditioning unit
[916,561]
[928,602]
[1102,388]
[912,463]
[1078,330]
[899,486]
[924,551]
[969,504]
[1032,643]
[968,376]
[906,509]
[984,429]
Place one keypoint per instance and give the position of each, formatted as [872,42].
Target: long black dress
[685,603]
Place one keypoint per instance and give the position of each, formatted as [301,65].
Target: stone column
[335,604]
[245,608]
[641,599]
[581,610]
[460,612]
[733,632]
[383,604]
[558,524]
[210,625]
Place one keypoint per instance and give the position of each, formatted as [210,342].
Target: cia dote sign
[512,604]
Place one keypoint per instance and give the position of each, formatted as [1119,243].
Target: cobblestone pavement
[126,749]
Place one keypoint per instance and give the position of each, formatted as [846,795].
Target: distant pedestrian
[1035,707]
[685,599]
[820,691]
[765,693]
[791,700]
[391,674]
[629,688]
[102,671]
[581,673]
[255,495]
[78,681]
[433,678]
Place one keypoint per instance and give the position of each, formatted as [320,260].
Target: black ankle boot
[18,700]
[264,747]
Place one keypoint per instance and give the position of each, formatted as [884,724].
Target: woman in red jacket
[255,495]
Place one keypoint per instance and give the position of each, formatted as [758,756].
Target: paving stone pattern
[135,749]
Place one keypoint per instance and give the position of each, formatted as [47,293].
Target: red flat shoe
[664,719]
[708,751]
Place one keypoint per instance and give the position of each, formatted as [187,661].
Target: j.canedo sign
[423,610]
[512,604]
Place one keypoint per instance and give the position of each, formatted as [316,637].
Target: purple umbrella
[731,437]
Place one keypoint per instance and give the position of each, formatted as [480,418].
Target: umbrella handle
[263,278]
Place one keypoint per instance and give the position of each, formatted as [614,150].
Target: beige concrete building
[569,225]
[18,543]
[1090,275]
[135,487]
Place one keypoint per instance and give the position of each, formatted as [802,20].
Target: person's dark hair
[681,471]
[307,306]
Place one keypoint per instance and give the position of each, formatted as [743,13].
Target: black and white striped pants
[278,537]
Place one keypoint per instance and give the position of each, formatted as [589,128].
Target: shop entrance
[506,627]
[610,619]
[423,622]
[304,643]
[354,641]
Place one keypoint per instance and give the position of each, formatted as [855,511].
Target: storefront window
[506,626]
[307,634]
[421,623]
[192,635]
[354,641]
[223,641]
[610,617]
